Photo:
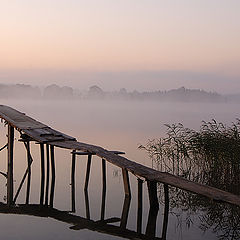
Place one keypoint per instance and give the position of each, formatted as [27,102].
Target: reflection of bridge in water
[48,139]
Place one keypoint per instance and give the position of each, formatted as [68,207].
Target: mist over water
[115,125]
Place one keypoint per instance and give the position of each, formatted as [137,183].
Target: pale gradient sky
[199,36]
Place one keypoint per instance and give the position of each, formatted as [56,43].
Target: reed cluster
[210,155]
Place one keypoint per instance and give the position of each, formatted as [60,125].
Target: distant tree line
[56,92]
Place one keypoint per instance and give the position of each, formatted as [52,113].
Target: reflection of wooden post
[87,204]
[88,171]
[29,171]
[152,222]
[47,177]
[10,166]
[53,175]
[140,202]
[126,183]
[42,173]
[103,189]
[166,212]
[73,180]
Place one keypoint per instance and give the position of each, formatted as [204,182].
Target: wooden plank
[151,174]
[18,119]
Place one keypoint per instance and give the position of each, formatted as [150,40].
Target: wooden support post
[152,193]
[47,177]
[53,176]
[42,173]
[10,166]
[125,212]
[166,212]
[103,189]
[88,172]
[24,176]
[140,205]
[126,183]
[73,180]
[27,144]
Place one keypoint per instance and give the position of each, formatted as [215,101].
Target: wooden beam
[10,166]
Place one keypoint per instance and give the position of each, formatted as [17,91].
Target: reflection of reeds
[210,155]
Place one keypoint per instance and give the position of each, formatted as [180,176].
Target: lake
[114,125]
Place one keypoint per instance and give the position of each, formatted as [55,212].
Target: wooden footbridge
[48,139]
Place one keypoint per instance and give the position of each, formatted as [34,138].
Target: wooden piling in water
[140,205]
[126,183]
[53,175]
[88,171]
[42,173]
[73,180]
[125,212]
[47,174]
[10,165]
[103,189]
[166,212]
[27,145]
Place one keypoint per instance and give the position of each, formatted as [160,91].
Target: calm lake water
[116,125]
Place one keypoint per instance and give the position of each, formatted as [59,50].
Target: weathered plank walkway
[43,134]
